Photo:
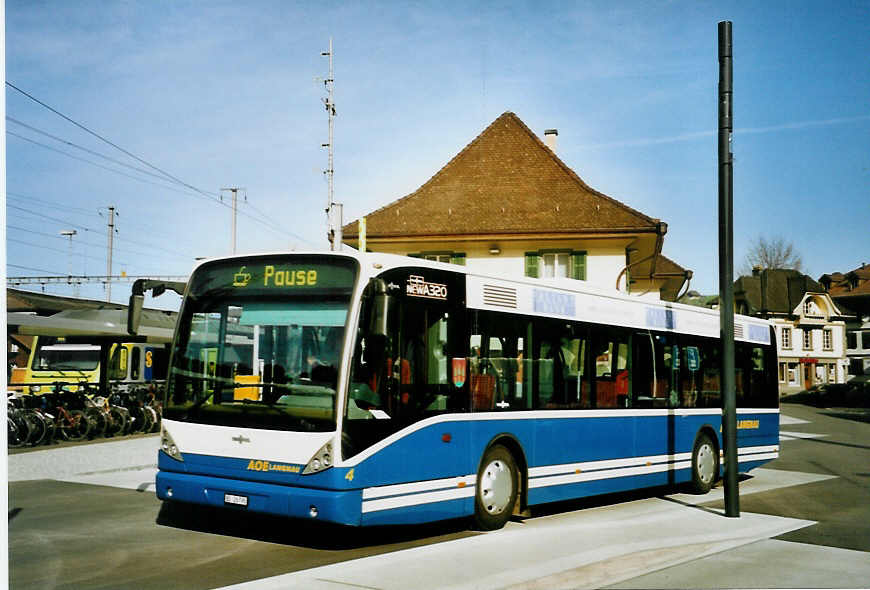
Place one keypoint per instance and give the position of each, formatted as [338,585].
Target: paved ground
[86,517]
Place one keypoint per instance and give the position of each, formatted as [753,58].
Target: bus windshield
[257,354]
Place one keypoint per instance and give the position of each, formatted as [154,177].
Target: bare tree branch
[775,252]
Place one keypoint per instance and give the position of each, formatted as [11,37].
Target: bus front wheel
[705,464]
[497,488]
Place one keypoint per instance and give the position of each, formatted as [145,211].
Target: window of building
[808,339]
[554,264]
[450,257]
[786,338]
[783,372]
[852,340]
[865,340]
[792,373]
[827,339]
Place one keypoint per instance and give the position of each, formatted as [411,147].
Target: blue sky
[225,94]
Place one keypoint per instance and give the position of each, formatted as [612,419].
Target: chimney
[551,139]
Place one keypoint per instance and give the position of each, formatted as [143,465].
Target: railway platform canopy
[39,314]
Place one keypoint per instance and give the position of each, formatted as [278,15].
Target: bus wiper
[199,403]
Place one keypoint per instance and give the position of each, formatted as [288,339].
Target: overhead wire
[211,196]
[44,247]
[83,243]
[90,229]
[71,209]
[264,221]
[54,272]
[84,149]
[80,211]
[101,138]
[92,163]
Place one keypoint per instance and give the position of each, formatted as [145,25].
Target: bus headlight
[35,388]
[321,460]
[168,446]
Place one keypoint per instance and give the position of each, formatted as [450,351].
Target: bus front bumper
[341,507]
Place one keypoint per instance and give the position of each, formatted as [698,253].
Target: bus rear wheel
[705,464]
[497,488]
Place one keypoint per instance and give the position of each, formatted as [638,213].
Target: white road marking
[787,435]
[783,419]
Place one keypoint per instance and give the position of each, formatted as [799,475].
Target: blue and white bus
[372,389]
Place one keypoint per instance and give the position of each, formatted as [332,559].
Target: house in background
[810,327]
[851,291]
[507,205]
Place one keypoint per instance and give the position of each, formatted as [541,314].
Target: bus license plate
[235,500]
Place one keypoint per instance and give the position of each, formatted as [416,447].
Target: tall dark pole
[726,272]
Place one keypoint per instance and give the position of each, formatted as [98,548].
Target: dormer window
[811,308]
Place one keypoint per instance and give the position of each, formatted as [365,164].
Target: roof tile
[505,181]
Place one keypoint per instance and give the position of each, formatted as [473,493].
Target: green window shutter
[532,264]
[415,255]
[578,265]
[458,258]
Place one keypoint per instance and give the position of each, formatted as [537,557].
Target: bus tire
[705,464]
[496,490]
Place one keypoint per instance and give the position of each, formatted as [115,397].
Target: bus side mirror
[381,303]
[134,313]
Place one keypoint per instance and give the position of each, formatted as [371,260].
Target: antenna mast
[329,102]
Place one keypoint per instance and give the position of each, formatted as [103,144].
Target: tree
[775,252]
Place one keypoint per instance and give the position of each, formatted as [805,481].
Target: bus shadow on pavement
[615,498]
[304,533]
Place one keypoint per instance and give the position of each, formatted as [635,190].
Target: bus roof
[553,298]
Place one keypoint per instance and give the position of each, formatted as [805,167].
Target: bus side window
[689,374]
[610,354]
[756,386]
[710,396]
[644,371]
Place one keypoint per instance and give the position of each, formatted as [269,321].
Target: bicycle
[71,422]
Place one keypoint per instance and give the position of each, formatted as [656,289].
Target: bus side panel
[757,438]
[573,440]
[438,483]
[428,512]
[673,435]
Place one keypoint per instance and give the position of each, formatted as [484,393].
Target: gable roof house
[852,291]
[810,327]
[506,204]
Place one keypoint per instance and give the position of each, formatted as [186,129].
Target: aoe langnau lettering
[266,466]
[289,278]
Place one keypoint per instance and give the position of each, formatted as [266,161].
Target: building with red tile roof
[508,204]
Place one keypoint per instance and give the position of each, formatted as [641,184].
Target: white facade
[605,260]
[812,347]
[858,347]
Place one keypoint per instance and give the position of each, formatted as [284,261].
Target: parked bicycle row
[82,414]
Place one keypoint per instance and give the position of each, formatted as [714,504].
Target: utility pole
[109,257]
[235,191]
[70,233]
[726,270]
[329,102]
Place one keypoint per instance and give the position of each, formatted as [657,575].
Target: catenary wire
[210,196]
[101,138]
